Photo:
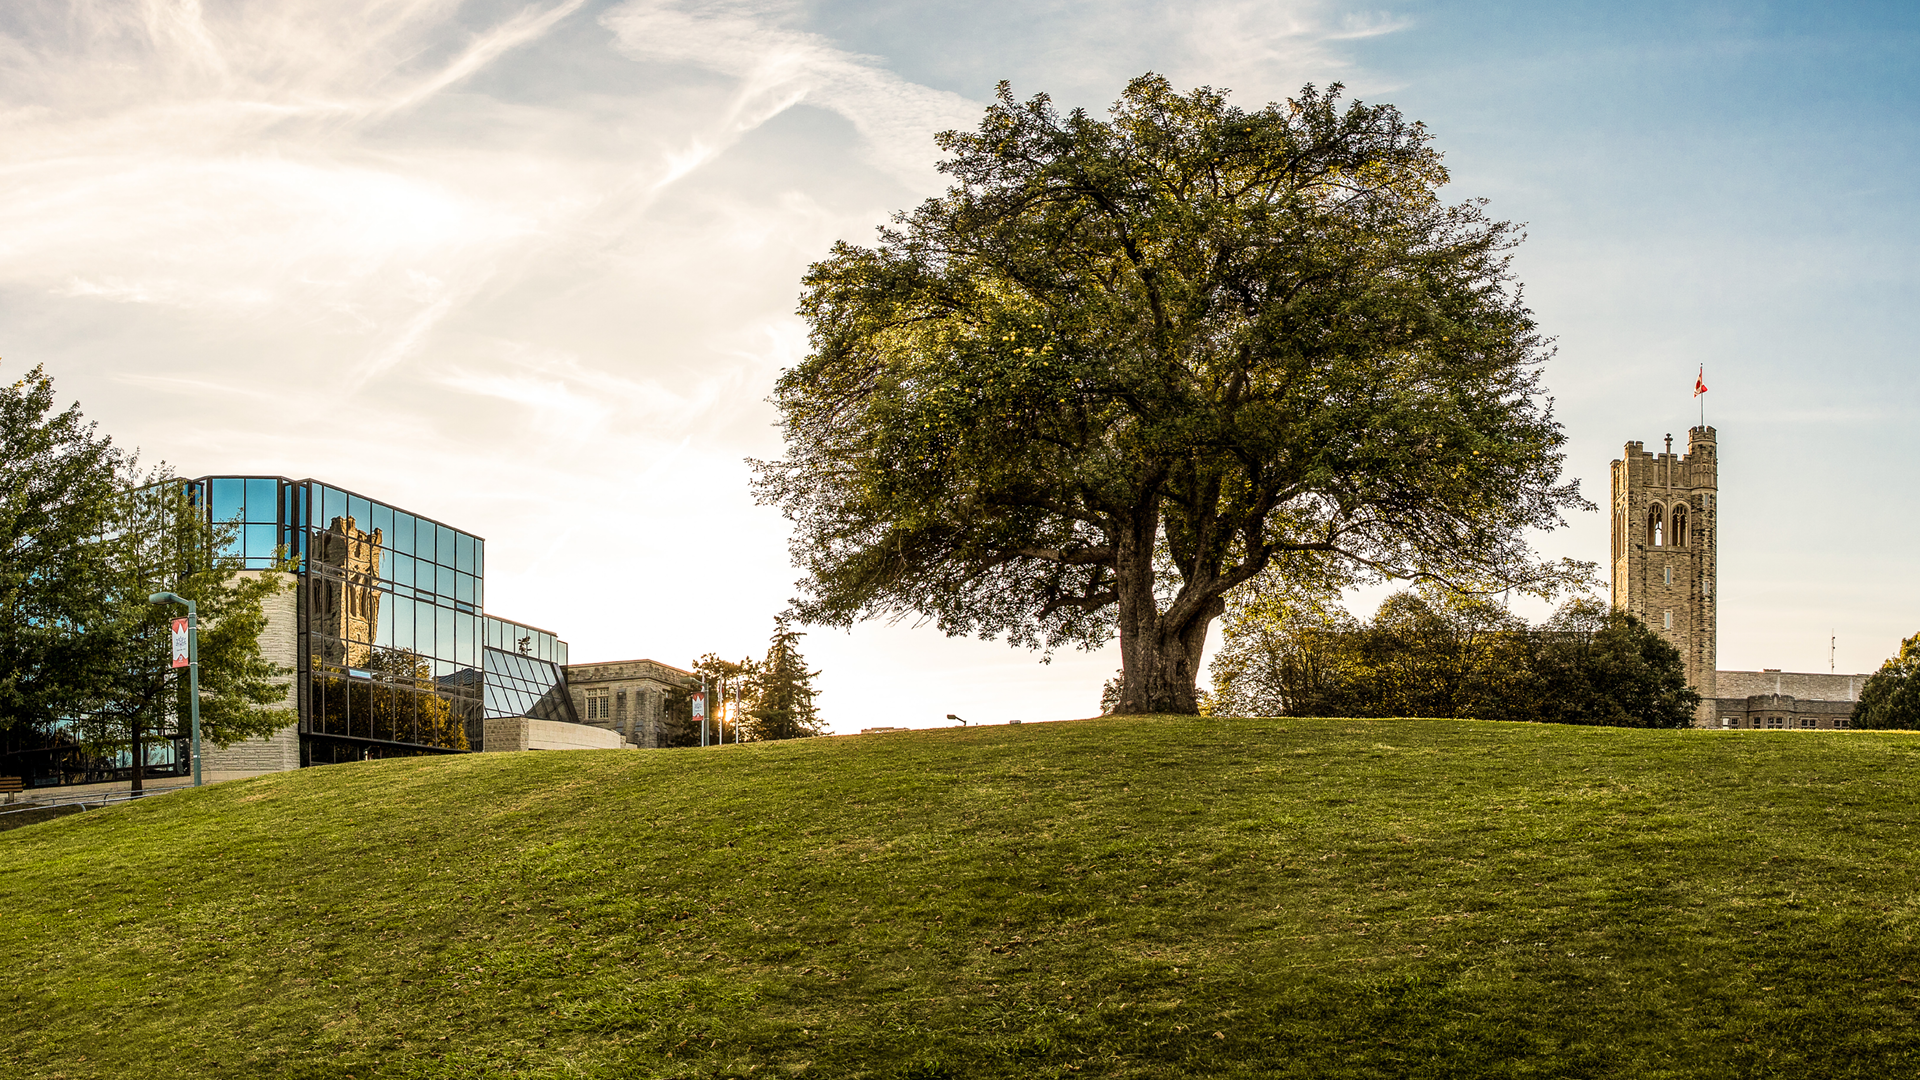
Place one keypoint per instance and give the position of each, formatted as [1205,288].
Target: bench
[10,785]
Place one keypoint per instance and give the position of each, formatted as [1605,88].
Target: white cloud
[778,68]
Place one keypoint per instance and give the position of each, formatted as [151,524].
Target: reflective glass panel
[260,541]
[468,629]
[402,533]
[443,633]
[560,653]
[443,581]
[444,553]
[463,588]
[358,510]
[400,568]
[423,628]
[333,504]
[263,499]
[400,622]
[229,499]
[479,557]
[381,517]
[479,591]
[465,546]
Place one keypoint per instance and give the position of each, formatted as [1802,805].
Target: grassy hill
[1134,898]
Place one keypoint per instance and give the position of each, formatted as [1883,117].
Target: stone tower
[1664,509]
[346,593]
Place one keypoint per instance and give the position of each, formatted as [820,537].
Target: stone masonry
[1664,537]
[627,696]
[1785,700]
[279,644]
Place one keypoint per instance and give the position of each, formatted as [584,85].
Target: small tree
[784,706]
[1596,665]
[676,719]
[1891,698]
[731,690]
[160,540]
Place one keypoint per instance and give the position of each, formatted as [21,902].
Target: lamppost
[193,670]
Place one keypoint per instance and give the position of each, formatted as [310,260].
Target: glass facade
[395,649]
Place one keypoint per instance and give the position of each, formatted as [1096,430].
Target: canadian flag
[1700,382]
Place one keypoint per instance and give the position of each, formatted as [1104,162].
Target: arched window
[1654,521]
[1679,535]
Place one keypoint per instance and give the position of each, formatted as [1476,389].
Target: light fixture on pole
[186,653]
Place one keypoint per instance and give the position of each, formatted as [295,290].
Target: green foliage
[732,690]
[1289,651]
[162,541]
[1124,365]
[1891,697]
[1593,665]
[60,483]
[1140,898]
[783,696]
[83,542]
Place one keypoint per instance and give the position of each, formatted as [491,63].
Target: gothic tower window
[1679,536]
[1653,526]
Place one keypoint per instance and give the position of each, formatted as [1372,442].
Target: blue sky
[530,269]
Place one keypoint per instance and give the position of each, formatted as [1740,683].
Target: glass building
[395,653]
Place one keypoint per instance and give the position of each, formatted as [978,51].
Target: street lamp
[193,671]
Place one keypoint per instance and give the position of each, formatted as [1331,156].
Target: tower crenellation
[1664,514]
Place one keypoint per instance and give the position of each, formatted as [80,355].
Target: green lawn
[1141,898]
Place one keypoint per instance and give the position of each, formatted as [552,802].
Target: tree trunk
[1159,651]
[139,761]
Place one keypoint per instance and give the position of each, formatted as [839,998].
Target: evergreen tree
[1891,698]
[783,707]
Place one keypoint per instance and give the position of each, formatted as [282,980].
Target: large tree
[1891,697]
[60,482]
[1123,365]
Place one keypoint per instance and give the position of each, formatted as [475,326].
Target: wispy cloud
[778,67]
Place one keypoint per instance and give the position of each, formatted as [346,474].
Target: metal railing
[89,800]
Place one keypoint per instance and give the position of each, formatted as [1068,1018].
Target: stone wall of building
[1663,550]
[627,696]
[280,644]
[1785,700]
[510,733]
[1800,684]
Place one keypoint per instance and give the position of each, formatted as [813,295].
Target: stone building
[628,697]
[1664,539]
[1665,515]
[1784,700]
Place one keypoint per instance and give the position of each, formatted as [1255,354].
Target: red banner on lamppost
[181,656]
